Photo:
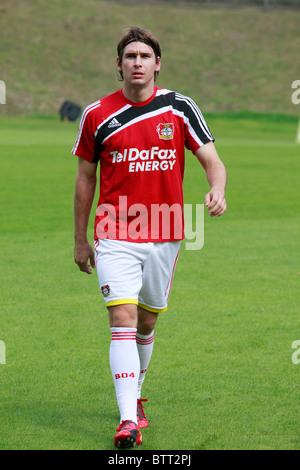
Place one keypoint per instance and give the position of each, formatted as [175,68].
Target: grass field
[221,375]
[227,59]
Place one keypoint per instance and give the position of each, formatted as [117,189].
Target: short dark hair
[135,33]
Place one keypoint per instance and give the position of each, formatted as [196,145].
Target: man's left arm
[216,176]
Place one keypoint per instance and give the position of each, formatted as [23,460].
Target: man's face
[138,64]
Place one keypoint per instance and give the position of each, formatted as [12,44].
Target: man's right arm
[85,185]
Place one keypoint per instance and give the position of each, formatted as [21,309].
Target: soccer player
[138,135]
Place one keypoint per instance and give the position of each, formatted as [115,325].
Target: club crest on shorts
[166,131]
[105,290]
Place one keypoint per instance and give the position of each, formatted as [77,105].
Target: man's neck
[138,94]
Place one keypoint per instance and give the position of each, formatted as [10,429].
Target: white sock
[145,348]
[125,369]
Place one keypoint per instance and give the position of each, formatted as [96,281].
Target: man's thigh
[136,273]
[120,270]
[158,275]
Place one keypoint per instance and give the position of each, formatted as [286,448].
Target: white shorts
[136,273]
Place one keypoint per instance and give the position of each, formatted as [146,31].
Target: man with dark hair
[138,135]
[140,35]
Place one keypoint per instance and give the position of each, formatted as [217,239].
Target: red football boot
[128,435]
[141,418]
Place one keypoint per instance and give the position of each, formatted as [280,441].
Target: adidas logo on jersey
[114,123]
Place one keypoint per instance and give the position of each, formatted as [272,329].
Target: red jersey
[141,151]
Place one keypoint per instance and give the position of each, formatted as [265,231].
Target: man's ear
[119,67]
[158,64]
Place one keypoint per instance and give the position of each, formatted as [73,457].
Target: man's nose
[138,61]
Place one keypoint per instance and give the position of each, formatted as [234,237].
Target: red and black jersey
[141,151]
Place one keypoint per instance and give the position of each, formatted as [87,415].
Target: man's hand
[83,252]
[83,199]
[215,203]
[216,176]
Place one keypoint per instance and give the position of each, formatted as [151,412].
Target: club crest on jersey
[166,131]
[105,290]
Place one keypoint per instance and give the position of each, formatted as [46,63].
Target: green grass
[221,375]
[227,59]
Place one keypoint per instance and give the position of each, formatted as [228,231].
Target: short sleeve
[196,131]
[85,143]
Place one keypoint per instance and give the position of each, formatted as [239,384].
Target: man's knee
[123,316]
[146,321]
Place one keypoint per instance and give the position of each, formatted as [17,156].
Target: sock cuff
[123,333]
[145,339]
